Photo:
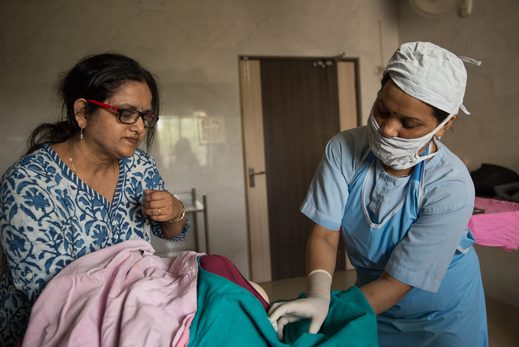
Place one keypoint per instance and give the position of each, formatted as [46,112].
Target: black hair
[96,77]
[440,115]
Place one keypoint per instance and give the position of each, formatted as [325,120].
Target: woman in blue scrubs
[402,200]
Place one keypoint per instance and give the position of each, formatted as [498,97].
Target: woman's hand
[314,307]
[161,206]
[321,253]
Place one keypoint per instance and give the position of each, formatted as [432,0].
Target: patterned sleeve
[31,231]
[153,180]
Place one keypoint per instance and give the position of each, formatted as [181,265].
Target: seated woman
[84,184]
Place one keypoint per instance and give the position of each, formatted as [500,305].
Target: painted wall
[490,34]
[193,48]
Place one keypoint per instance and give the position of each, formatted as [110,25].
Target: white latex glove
[314,306]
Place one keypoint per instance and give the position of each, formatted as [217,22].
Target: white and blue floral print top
[49,218]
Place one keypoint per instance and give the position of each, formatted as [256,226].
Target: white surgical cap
[431,74]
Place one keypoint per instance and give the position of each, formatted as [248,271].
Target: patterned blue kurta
[49,218]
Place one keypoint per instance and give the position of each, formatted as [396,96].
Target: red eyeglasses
[129,115]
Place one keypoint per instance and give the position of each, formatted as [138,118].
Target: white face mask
[396,152]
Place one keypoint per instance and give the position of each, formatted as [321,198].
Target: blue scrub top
[415,229]
[422,257]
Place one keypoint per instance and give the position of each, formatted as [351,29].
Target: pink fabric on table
[122,295]
[498,226]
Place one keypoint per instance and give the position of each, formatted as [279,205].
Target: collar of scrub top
[431,74]
[416,175]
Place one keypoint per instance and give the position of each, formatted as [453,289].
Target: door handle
[252,174]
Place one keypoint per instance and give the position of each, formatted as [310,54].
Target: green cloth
[228,315]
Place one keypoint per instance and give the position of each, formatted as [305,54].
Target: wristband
[320,270]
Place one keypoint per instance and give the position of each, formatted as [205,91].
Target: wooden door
[290,108]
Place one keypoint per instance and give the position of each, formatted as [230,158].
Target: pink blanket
[498,226]
[118,296]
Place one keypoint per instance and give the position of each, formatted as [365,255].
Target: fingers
[284,321]
[275,305]
[156,214]
[281,325]
[156,196]
[158,205]
[315,325]
[280,314]
[287,309]
[277,310]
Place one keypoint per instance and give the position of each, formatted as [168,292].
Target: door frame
[254,149]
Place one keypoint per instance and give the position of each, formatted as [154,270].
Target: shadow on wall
[184,154]
[499,271]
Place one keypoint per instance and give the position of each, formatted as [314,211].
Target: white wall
[490,34]
[193,48]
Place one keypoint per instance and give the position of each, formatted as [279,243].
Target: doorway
[291,107]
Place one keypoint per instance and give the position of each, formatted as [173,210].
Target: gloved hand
[314,306]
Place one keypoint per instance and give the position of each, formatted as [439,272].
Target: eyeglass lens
[130,116]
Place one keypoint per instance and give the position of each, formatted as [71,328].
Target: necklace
[386,169]
[70,158]
[72,161]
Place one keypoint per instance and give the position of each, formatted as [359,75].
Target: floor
[502,318]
